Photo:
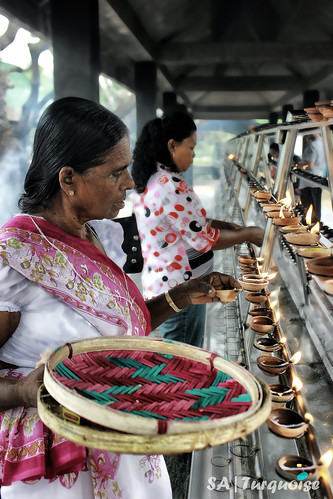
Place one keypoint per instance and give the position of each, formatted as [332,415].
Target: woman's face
[182,153]
[101,191]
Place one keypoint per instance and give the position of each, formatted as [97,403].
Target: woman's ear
[171,146]
[66,180]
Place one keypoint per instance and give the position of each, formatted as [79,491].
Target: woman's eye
[116,176]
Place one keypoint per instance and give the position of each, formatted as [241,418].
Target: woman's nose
[128,182]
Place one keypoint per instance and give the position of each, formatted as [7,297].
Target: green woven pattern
[154,385]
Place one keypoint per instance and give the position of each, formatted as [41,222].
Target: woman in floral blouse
[177,238]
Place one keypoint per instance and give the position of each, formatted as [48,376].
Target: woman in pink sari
[57,285]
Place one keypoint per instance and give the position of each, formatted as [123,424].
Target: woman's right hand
[255,235]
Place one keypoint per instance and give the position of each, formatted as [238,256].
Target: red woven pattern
[154,385]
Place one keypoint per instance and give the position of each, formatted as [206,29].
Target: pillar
[75,38]
[145,91]
[169,103]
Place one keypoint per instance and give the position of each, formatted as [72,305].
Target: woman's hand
[28,387]
[21,392]
[255,235]
[203,289]
[193,292]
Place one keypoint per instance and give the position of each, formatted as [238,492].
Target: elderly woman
[177,239]
[57,285]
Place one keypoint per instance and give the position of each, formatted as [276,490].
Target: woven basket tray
[129,394]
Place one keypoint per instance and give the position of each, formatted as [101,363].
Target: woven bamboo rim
[113,441]
[130,423]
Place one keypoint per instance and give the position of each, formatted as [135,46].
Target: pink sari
[85,279]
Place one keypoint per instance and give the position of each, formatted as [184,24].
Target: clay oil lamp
[325,108]
[281,213]
[322,266]
[314,114]
[328,286]
[271,207]
[284,217]
[262,195]
[248,269]
[281,394]
[275,365]
[228,295]
[246,260]
[267,344]
[256,297]
[287,229]
[296,468]
[302,238]
[314,252]
[286,423]
[262,324]
[272,366]
[253,282]
[263,311]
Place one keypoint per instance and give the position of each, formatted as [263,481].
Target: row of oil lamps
[282,421]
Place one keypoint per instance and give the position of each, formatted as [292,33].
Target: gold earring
[71,193]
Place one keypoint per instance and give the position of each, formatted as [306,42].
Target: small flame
[287,201]
[299,465]
[232,157]
[274,303]
[309,418]
[326,458]
[296,358]
[297,384]
[277,316]
[281,215]
[283,340]
[315,229]
[308,216]
[268,276]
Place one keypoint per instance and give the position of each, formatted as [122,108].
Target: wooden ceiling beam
[130,20]
[239,84]
[247,53]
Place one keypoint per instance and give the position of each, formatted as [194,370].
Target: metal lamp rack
[229,334]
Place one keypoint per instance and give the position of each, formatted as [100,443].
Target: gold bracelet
[171,303]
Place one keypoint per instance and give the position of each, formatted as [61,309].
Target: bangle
[171,303]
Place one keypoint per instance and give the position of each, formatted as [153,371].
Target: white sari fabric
[47,322]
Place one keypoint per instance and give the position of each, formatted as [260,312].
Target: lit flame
[315,229]
[283,340]
[296,358]
[232,157]
[299,465]
[308,216]
[297,384]
[326,458]
[268,276]
[308,417]
[281,215]
[287,201]
[274,303]
[277,316]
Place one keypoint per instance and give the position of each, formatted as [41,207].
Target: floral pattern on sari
[150,464]
[90,286]
[103,470]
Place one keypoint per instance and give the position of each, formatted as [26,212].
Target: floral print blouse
[171,222]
